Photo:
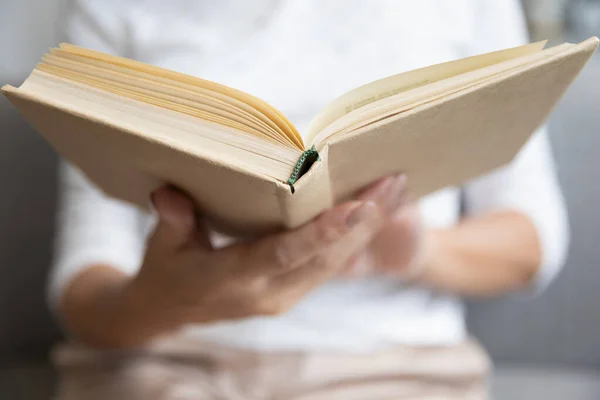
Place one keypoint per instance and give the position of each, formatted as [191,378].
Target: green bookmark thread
[307,159]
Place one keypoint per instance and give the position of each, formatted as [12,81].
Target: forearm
[482,256]
[102,308]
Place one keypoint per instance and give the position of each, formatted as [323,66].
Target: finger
[388,193]
[359,265]
[202,234]
[336,256]
[285,251]
[348,270]
[397,243]
[176,225]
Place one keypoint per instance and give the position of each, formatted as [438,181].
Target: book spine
[307,159]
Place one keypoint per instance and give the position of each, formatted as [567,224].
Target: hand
[183,280]
[397,250]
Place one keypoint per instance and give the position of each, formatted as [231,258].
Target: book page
[393,85]
[72,66]
[206,110]
[271,112]
[410,99]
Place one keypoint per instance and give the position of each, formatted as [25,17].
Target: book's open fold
[131,127]
[306,161]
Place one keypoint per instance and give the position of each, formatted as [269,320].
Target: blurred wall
[27,28]
[545,18]
[27,191]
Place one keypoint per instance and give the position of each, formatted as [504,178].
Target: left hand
[398,249]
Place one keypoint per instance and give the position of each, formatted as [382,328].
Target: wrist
[142,315]
[428,261]
[103,307]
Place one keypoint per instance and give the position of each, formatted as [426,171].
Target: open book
[131,127]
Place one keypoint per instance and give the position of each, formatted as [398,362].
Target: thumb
[176,226]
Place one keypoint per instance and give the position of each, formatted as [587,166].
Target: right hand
[184,280]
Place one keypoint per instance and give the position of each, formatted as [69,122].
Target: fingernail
[401,180]
[386,186]
[398,185]
[394,191]
[360,214]
[392,186]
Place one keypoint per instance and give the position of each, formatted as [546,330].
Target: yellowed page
[120,76]
[171,128]
[198,110]
[258,104]
[409,80]
[76,62]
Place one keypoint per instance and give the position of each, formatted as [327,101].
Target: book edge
[9,91]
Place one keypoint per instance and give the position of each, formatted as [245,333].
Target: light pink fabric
[184,370]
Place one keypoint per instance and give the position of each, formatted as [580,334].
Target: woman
[363,302]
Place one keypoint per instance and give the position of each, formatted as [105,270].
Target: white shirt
[299,55]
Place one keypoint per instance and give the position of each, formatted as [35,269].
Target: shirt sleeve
[91,227]
[529,184]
